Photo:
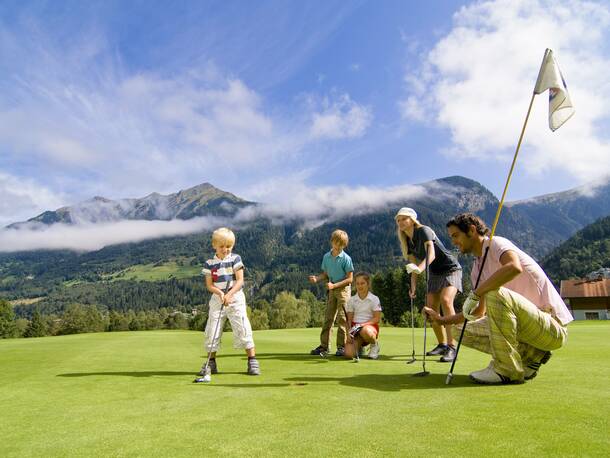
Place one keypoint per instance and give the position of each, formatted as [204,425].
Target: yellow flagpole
[512,167]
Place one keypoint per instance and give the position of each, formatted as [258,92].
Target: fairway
[130,394]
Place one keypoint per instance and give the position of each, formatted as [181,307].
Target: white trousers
[240,324]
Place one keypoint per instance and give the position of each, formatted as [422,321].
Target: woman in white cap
[444,270]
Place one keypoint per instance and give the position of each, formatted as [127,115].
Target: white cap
[406,211]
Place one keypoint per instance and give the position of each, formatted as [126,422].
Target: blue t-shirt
[337,267]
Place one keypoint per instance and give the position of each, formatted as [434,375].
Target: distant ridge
[561,214]
[201,200]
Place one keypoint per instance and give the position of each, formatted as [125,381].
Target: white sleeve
[376,304]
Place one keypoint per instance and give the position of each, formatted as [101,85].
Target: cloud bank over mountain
[96,223]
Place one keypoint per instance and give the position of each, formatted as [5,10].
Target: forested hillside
[586,251]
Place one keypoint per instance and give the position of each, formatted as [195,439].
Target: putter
[449,377]
[424,372]
[412,360]
[207,377]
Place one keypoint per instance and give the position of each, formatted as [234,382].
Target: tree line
[285,310]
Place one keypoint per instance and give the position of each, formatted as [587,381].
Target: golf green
[131,394]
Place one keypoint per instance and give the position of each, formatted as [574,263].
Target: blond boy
[224,278]
[338,273]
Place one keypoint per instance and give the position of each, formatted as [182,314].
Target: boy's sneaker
[253,367]
[449,354]
[440,349]
[213,368]
[319,350]
[374,351]
[340,351]
[531,370]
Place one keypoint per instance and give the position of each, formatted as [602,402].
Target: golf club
[207,372]
[356,346]
[424,372]
[412,360]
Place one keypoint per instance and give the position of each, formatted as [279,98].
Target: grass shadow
[395,382]
[247,385]
[128,374]
[305,357]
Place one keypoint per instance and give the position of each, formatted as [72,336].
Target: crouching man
[515,314]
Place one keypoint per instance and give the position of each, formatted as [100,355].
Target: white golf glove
[470,304]
[412,268]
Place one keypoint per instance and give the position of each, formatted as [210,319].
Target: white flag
[550,77]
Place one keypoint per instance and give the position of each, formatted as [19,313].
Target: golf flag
[550,77]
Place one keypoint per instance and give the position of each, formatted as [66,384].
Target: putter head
[207,378]
[323,354]
[449,378]
[411,361]
[421,374]
[356,359]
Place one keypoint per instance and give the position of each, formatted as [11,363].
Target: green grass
[130,394]
[154,272]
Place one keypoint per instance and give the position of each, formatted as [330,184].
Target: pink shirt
[532,283]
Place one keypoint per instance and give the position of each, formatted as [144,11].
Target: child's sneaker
[440,349]
[374,351]
[213,368]
[253,367]
[320,350]
[340,351]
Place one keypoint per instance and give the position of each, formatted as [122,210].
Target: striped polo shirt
[223,271]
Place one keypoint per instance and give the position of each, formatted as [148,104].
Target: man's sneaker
[374,351]
[213,368]
[320,350]
[440,349]
[340,351]
[449,355]
[531,370]
[488,376]
[253,367]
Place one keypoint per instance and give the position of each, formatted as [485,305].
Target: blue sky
[279,101]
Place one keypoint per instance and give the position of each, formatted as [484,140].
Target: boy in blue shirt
[338,272]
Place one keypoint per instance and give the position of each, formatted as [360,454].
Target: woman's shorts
[439,281]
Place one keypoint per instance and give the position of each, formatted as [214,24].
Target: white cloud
[290,198]
[478,80]
[340,117]
[24,198]
[91,237]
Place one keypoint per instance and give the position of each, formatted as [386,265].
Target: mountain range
[279,251]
